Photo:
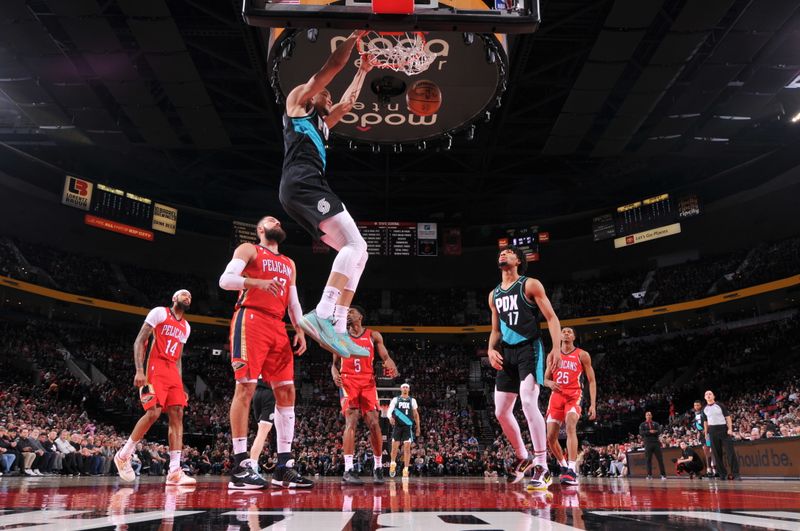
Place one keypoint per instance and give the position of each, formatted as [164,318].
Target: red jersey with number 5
[568,373]
[360,365]
[268,266]
[168,337]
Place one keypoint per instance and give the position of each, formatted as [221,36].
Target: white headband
[175,295]
[405,385]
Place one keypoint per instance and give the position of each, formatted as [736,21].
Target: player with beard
[307,197]
[160,385]
[260,347]
[516,351]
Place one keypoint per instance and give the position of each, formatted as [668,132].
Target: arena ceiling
[609,101]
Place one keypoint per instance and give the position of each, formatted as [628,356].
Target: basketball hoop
[399,51]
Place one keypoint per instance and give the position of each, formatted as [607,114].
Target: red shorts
[561,404]
[359,392]
[164,386]
[260,347]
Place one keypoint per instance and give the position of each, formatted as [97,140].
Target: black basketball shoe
[246,478]
[288,478]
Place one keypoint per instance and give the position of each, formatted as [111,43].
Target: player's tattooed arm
[139,347]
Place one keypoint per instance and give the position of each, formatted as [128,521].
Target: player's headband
[406,386]
[175,295]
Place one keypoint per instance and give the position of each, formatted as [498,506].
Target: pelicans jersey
[267,266]
[567,399]
[359,390]
[164,386]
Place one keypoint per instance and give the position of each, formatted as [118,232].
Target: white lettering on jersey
[274,266]
[506,303]
[173,331]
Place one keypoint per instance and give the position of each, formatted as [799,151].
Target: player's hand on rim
[495,359]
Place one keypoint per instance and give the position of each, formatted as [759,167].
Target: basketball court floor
[50,503]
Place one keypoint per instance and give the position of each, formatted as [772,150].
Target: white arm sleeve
[232,279]
[156,316]
[392,405]
[413,403]
[295,310]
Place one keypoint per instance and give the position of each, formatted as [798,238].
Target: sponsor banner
[427,231]
[120,228]
[544,237]
[452,241]
[648,235]
[775,458]
[77,192]
[502,243]
[532,257]
[165,218]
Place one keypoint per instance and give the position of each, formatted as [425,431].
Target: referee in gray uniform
[718,426]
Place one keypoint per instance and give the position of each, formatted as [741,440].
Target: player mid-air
[160,384]
[355,378]
[260,347]
[565,401]
[307,197]
[516,351]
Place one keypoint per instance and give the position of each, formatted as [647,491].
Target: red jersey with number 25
[360,365]
[168,337]
[568,373]
[268,266]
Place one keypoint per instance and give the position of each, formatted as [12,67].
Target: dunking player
[565,401]
[160,384]
[260,347]
[520,366]
[359,394]
[404,417]
[308,199]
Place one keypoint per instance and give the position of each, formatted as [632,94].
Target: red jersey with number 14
[360,365]
[268,266]
[568,373]
[168,337]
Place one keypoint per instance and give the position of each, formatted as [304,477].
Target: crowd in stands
[97,277]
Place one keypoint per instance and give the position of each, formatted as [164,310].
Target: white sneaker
[28,472]
[37,473]
[124,468]
[180,479]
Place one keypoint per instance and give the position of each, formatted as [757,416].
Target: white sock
[239,445]
[348,462]
[174,460]
[328,302]
[128,449]
[572,466]
[284,428]
[540,458]
[563,463]
[340,319]
[347,504]
[378,461]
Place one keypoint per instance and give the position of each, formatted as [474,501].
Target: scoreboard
[116,210]
[399,238]
[644,215]
[125,207]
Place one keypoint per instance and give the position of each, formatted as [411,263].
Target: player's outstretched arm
[389,367]
[232,279]
[300,96]
[534,290]
[139,347]
[350,95]
[588,370]
[495,358]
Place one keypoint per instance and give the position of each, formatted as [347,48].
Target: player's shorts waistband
[520,344]
[261,313]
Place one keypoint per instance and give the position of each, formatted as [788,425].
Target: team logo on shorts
[147,397]
[323,206]
[238,365]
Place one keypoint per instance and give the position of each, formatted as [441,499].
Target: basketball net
[399,51]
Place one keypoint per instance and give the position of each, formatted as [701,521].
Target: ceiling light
[796,118]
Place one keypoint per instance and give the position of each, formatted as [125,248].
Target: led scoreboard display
[125,207]
[644,220]
[116,210]
[399,238]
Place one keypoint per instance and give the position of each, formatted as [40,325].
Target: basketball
[424,98]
